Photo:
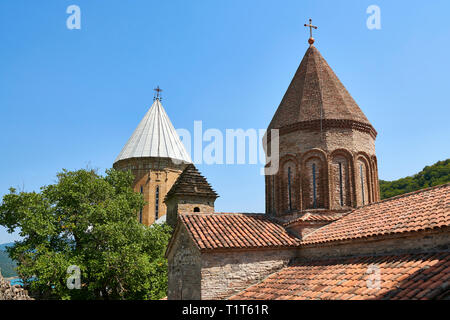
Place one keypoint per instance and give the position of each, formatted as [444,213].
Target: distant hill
[437,174]
[7,266]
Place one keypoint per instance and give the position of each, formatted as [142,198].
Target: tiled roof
[310,217]
[316,94]
[191,182]
[421,210]
[155,136]
[236,231]
[413,276]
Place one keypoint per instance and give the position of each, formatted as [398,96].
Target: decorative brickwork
[152,174]
[327,143]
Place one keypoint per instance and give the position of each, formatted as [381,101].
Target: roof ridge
[223,214]
[404,195]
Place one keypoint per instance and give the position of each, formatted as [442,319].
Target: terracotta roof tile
[420,210]
[311,217]
[316,94]
[226,231]
[317,279]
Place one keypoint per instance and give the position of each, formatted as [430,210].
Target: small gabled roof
[316,94]
[215,231]
[156,137]
[191,182]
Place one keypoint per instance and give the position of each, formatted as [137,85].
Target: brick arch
[314,163]
[376,186]
[341,182]
[367,197]
[288,201]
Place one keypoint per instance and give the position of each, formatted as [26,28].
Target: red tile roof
[421,210]
[311,217]
[412,276]
[234,231]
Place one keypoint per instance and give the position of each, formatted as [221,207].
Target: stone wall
[8,292]
[187,204]
[184,267]
[217,275]
[226,273]
[424,241]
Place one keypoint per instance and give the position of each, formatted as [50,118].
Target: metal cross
[310,25]
[158,93]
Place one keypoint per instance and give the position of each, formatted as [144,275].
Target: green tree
[430,176]
[89,221]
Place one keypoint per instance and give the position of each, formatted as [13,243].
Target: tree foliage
[89,221]
[437,174]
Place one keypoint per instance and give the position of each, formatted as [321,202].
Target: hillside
[6,264]
[437,174]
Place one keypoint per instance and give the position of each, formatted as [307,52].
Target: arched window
[314,185]
[289,190]
[157,203]
[140,211]
[313,190]
[363,181]
[340,181]
[196,209]
[361,174]
[273,194]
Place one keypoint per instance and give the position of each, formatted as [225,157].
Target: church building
[325,233]
[156,157]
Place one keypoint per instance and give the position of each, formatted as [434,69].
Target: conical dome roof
[155,136]
[316,94]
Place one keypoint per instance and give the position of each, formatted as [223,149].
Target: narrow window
[314,186]
[273,194]
[289,189]
[362,183]
[140,211]
[196,209]
[341,188]
[157,203]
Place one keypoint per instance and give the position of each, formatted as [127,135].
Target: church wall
[325,151]
[149,174]
[184,268]
[416,242]
[187,204]
[229,272]
[331,139]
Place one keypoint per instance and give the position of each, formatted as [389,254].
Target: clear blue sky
[71,98]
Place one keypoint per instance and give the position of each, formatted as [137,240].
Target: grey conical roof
[155,136]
